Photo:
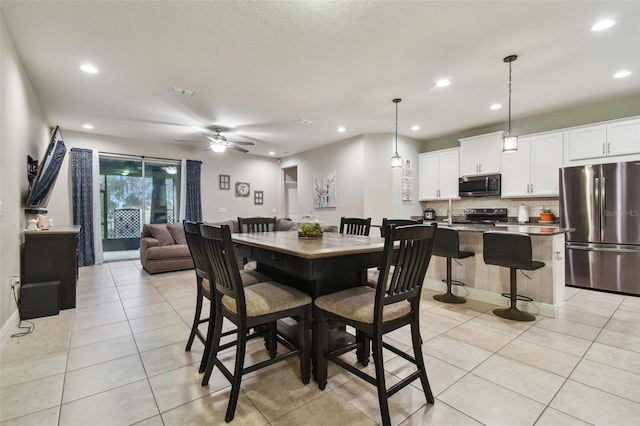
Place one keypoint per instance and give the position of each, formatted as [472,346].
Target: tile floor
[119,358]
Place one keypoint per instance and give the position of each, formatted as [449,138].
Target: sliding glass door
[136,191]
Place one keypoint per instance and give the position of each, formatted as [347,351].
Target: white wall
[23,131]
[262,173]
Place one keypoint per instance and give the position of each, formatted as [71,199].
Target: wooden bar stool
[447,245]
[511,250]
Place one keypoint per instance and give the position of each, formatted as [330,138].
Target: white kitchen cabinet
[615,138]
[532,171]
[438,174]
[480,155]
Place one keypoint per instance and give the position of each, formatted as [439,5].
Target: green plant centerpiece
[310,227]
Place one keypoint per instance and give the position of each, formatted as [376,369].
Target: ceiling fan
[219,143]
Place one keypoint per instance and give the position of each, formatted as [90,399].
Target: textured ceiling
[258,67]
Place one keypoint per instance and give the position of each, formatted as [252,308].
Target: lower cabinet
[532,171]
[52,256]
[438,175]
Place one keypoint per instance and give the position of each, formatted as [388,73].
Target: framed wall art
[258,197]
[225,182]
[243,189]
[324,190]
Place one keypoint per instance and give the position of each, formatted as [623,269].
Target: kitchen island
[486,283]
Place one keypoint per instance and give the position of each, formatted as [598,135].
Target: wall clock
[242,189]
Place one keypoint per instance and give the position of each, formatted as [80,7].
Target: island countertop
[530,229]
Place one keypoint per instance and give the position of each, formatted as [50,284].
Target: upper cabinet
[532,171]
[438,175]
[617,138]
[480,155]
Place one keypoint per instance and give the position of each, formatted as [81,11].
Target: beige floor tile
[594,320]
[630,304]
[591,306]
[626,322]
[143,300]
[479,336]
[439,414]
[48,417]
[211,410]
[98,334]
[441,375]
[553,417]
[609,379]
[105,294]
[30,397]
[121,406]
[171,357]
[50,335]
[148,310]
[455,312]
[490,403]
[153,322]
[151,421]
[500,325]
[327,409]
[570,328]
[182,385]
[595,406]
[619,340]
[152,339]
[96,353]
[430,322]
[132,291]
[32,368]
[101,377]
[560,342]
[98,319]
[551,360]
[453,351]
[532,382]
[88,309]
[615,357]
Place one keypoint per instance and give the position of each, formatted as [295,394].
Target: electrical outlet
[15,281]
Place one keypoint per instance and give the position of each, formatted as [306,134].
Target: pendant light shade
[396,160]
[509,140]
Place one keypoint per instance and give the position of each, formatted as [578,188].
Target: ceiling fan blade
[237,148]
[187,140]
[242,143]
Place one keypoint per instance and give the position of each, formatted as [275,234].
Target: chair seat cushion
[357,304]
[248,278]
[268,297]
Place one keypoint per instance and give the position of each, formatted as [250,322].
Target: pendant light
[509,140]
[396,160]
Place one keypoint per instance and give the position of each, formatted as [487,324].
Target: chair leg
[449,297]
[196,316]
[512,312]
[270,339]
[305,341]
[320,336]
[209,338]
[364,348]
[215,344]
[381,382]
[417,353]
[237,374]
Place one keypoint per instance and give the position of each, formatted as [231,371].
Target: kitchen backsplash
[512,204]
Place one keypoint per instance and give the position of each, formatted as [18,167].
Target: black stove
[483,216]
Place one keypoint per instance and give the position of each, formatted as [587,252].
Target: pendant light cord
[510,96]
[396,127]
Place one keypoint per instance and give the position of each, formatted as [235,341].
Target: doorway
[290,175]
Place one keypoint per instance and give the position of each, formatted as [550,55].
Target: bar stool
[511,250]
[447,245]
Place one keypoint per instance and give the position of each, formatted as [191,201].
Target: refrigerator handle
[598,208]
[603,215]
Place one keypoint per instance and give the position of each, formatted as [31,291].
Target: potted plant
[546,215]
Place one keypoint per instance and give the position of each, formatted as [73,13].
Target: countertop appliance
[429,214]
[479,186]
[523,214]
[602,203]
[483,216]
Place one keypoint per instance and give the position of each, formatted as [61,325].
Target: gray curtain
[82,194]
[193,209]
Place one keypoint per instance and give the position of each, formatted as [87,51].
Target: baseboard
[9,327]
[535,308]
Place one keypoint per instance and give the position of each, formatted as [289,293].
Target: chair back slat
[196,248]
[222,263]
[355,225]
[256,224]
[413,245]
[397,222]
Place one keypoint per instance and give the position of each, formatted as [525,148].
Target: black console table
[51,255]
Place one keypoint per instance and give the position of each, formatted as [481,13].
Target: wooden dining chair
[203,288]
[397,222]
[355,225]
[255,224]
[250,307]
[394,303]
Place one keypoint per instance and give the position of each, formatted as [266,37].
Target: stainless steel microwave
[479,186]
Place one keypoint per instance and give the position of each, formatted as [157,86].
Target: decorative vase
[310,228]
[546,217]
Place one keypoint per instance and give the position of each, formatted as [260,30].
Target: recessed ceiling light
[416,127]
[495,107]
[443,82]
[272,153]
[305,121]
[89,68]
[603,25]
[341,129]
[87,126]
[622,74]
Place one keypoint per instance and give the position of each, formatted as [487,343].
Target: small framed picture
[258,197]
[225,182]
[243,189]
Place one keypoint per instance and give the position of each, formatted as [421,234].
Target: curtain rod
[138,156]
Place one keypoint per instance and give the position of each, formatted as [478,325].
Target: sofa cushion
[284,224]
[177,232]
[162,234]
[173,251]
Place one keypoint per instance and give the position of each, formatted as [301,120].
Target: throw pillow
[284,224]
[177,231]
[162,234]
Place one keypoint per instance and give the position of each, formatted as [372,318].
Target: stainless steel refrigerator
[602,203]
